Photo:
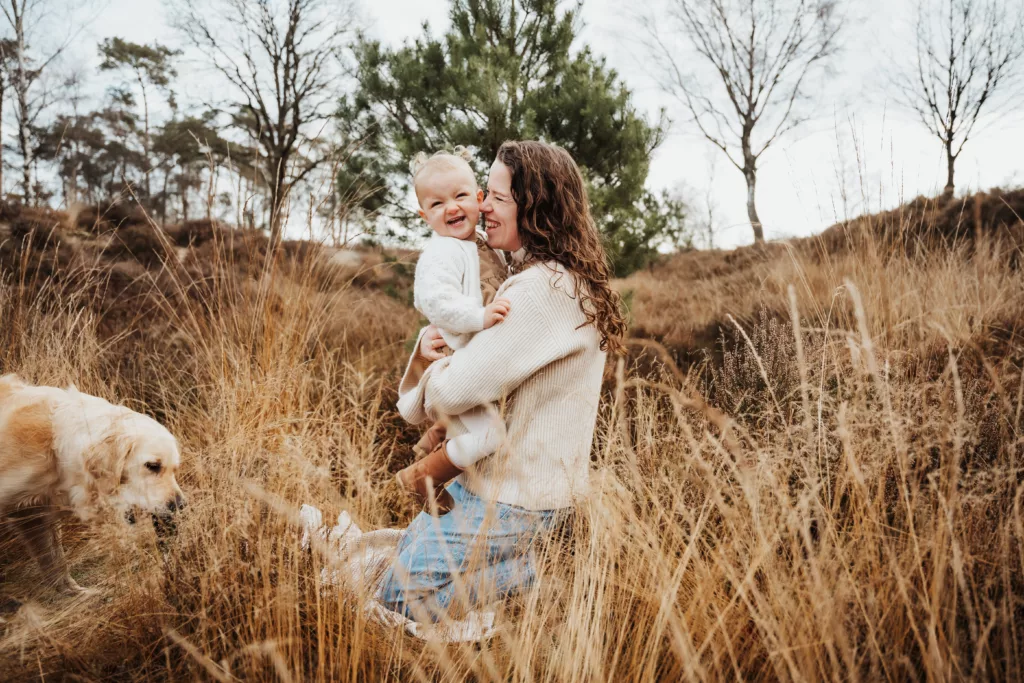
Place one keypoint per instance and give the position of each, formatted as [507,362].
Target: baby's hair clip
[462,152]
[417,163]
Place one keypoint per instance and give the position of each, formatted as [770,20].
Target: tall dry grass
[835,494]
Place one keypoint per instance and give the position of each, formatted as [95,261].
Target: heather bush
[816,477]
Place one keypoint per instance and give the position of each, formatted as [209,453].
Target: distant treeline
[306,115]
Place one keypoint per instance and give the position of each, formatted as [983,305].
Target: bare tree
[28,20]
[8,64]
[967,56]
[755,60]
[282,61]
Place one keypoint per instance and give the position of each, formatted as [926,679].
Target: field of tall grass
[809,466]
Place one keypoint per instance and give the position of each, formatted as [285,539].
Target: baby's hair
[422,159]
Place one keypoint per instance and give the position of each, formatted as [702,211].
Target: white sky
[861,147]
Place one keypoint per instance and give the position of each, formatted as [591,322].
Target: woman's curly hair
[554,221]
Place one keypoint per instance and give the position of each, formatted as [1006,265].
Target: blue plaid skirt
[475,554]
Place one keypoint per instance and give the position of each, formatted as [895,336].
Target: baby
[457,277]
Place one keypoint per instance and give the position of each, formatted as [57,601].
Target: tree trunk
[164,198]
[145,143]
[72,197]
[750,174]
[209,195]
[184,195]
[239,202]
[3,94]
[278,196]
[24,146]
[21,83]
[26,167]
[950,162]
[275,217]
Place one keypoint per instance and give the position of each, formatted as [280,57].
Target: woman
[545,360]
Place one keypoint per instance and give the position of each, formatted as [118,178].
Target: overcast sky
[861,153]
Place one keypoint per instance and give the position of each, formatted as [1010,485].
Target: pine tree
[185,148]
[506,70]
[149,66]
[98,155]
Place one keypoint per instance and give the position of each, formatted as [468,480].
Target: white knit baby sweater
[447,288]
[547,362]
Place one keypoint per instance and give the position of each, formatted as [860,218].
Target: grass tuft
[809,467]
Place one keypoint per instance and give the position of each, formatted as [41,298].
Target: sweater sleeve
[500,358]
[410,388]
[438,289]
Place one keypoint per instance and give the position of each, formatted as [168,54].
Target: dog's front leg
[38,528]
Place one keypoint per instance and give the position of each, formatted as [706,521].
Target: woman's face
[499,210]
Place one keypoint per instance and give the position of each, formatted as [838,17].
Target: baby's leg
[430,439]
[485,435]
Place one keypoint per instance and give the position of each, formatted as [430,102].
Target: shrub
[869,529]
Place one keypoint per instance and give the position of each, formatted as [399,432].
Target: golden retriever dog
[62,451]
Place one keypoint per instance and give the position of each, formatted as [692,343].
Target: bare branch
[280,60]
[754,61]
[30,62]
[967,64]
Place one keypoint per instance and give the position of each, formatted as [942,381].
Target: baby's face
[449,201]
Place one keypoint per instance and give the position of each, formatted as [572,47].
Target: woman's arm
[500,358]
[410,392]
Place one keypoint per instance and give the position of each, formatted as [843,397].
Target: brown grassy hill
[817,474]
[686,301]
[152,293]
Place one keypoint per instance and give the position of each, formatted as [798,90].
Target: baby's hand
[496,311]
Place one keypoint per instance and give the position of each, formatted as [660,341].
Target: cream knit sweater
[447,288]
[547,363]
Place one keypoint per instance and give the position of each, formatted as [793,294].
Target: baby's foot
[312,523]
[344,532]
[342,537]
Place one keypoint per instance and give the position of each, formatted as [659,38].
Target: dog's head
[141,463]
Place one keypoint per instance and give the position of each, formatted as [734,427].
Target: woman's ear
[479,195]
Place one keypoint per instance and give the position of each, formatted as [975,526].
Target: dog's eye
[154,467]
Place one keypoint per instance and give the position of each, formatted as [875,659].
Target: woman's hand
[432,344]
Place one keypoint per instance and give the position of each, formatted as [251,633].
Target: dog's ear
[9,384]
[107,459]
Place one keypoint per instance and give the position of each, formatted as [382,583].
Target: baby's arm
[438,291]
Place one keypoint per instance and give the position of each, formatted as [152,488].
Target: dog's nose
[177,504]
